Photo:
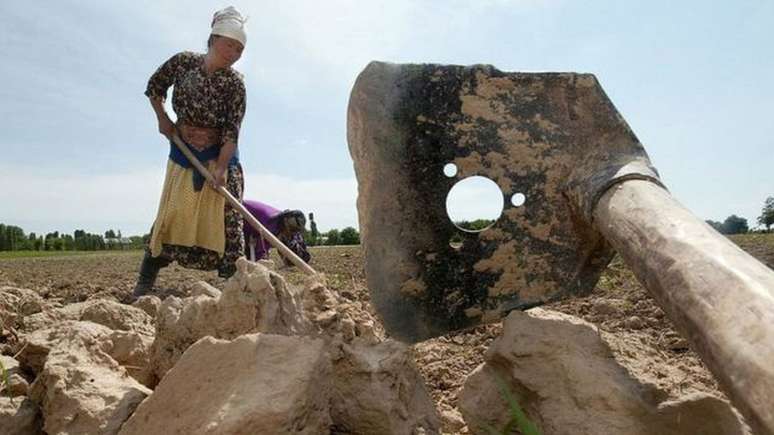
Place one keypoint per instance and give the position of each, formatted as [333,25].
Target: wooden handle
[301,264]
[720,297]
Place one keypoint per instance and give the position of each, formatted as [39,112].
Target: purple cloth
[266,215]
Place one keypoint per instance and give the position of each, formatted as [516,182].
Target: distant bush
[331,237]
[476,225]
[767,213]
[735,225]
[732,225]
[347,236]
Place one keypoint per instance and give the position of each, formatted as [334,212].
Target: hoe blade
[554,137]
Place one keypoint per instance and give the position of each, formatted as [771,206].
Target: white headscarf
[229,22]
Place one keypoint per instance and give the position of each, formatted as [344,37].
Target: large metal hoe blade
[557,139]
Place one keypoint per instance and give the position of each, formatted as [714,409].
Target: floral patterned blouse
[214,100]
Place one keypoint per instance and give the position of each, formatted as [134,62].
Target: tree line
[13,238]
[738,225]
[346,236]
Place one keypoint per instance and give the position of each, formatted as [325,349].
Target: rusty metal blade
[554,137]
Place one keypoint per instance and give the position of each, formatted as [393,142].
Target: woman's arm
[166,126]
[159,83]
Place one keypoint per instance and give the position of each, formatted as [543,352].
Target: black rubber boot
[149,270]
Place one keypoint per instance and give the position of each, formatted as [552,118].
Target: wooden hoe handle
[301,264]
[720,297]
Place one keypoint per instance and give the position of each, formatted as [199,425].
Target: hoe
[589,189]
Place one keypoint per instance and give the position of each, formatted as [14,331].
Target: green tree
[83,241]
[735,225]
[476,225]
[57,244]
[332,237]
[31,242]
[314,235]
[767,213]
[716,225]
[12,238]
[308,239]
[48,241]
[137,242]
[110,239]
[79,237]
[96,242]
[18,239]
[68,243]
[349,236]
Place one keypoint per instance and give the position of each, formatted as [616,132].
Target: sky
[79,147]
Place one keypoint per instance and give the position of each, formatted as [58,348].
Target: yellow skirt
[187,217]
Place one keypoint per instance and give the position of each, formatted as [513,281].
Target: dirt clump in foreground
[645,341]
[641,338]
[236,342]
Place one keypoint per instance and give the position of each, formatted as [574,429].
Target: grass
[761,239]
[5,382]
[36,254]
[518,420]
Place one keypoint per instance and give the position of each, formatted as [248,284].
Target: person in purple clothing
[287,225]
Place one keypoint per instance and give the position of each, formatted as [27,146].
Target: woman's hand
[219,176]
[166,126]
[221,166]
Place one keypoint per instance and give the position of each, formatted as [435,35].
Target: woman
[287,225]
[194,225]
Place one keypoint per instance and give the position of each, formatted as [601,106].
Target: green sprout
[518,418]
[4,378]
